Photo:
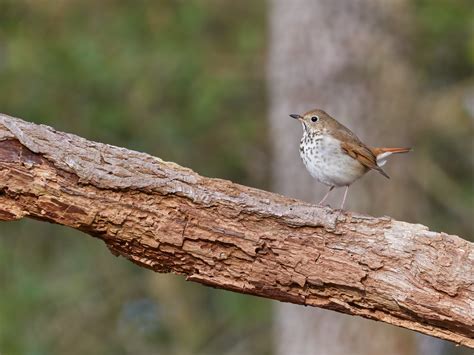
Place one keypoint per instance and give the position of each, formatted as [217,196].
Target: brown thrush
[334,155]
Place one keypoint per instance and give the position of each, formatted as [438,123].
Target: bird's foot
[322,204]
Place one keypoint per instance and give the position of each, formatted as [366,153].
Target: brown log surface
[169,219]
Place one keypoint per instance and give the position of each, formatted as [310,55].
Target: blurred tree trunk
[346,58]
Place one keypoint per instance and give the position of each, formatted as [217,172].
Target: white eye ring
[314,118]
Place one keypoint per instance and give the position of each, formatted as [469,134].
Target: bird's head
[314,120]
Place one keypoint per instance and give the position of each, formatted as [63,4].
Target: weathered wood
[169,219]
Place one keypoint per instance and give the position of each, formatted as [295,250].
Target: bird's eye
[314,118]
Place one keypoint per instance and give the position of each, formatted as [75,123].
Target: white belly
[328,163]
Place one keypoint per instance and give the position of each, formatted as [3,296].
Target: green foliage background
[185,81]
[182,80]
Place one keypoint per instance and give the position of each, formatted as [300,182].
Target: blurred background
[207,84]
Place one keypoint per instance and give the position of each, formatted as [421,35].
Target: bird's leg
[326,196]
[344,198]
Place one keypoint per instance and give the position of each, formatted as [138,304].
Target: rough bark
[169,219]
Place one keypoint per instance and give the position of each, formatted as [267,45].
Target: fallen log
[169,219]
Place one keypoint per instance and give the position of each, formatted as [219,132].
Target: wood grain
[169,219]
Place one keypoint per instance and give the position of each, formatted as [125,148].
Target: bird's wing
[358,150]
[352,145]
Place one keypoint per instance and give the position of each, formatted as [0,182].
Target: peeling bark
[169,219]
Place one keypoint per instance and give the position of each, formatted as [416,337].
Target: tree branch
[169,219]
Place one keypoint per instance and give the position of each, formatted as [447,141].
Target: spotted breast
[327,162]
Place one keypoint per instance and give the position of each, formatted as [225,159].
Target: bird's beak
[295,116]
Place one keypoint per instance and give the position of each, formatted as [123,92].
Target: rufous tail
[378,151]
[383,153]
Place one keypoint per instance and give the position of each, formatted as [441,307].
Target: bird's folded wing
[363,154]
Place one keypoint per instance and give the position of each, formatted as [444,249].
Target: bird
[334,155]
